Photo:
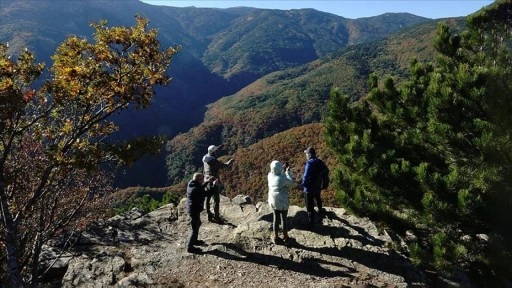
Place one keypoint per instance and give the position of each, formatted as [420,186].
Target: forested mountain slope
[223,50]
[297,96]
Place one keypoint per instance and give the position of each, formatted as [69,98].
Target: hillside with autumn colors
[249,174]
[223,51]
[298,96]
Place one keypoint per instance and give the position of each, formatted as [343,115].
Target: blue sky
[349,8]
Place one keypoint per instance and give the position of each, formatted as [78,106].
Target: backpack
[322,179]
[324,174]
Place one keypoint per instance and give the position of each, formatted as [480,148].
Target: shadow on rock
[368,239]
[267,217]
[392,263]
[308,265]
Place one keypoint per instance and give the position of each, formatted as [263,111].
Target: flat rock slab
[340,250]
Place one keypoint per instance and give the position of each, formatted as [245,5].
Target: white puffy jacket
[278,185]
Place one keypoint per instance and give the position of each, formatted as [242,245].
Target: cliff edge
[135,250]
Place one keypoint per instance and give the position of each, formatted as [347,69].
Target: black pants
[213,191]
[310,199]
[195,222]
[280,217]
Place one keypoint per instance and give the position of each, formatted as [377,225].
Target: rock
[340,250]
[55,262]
[410,237]
[242,200]
[483,237]
[457,279]
[466,238]
[135,280]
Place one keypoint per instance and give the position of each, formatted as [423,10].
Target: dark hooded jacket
[196,193]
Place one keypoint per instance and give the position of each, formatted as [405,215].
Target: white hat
[213,148]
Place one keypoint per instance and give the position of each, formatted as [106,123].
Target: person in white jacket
[279,182]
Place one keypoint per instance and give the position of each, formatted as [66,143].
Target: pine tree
[433,155]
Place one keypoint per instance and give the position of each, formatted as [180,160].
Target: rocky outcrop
[135,250]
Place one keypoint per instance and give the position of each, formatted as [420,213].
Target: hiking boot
[218,219]
[211,218]
[277,240]
[194,250]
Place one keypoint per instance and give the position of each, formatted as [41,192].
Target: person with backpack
[279,182]
[315,178]
[211,167]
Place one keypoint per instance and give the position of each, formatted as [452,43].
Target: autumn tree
[433,155]
[54,137]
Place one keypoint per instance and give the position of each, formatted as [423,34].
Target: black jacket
[195,196]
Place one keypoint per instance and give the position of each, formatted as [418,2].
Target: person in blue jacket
[315,179]
[196,192]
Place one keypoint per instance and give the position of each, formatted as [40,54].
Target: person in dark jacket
[314,172]
[196,192]
[212,168]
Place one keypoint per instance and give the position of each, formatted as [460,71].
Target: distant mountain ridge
[286,100]
[224,50]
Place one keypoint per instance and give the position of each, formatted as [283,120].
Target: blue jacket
[312,178]
[195,196]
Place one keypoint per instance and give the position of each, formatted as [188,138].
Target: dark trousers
[195,222]
[280,217]
[213,192]
[310,199]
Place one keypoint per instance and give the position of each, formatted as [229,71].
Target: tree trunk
[35,257]
[14,274]
[10,234]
